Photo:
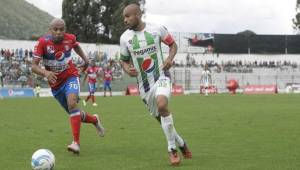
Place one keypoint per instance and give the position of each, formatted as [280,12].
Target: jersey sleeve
[124,53]
[39,49]
[165,36]
[75,43]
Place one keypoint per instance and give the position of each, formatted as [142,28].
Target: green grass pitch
[242,132]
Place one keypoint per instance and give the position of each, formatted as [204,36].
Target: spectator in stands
[2,52]
[37,90]
[26,53]
[1,79]
[21,53]
[30,53]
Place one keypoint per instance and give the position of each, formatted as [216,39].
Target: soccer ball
[43,159]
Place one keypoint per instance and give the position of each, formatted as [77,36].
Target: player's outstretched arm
[80,52]
[84,79]
[172,52]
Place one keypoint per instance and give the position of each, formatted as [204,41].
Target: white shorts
[161,87]
[206,85]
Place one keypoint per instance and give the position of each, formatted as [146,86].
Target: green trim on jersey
[135,42]
[124,57]
[150,41]
[136,45]
[149,38]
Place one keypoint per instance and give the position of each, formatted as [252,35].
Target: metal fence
[189,78]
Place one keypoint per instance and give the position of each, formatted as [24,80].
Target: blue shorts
[70,86]
[106,84]
[92,88]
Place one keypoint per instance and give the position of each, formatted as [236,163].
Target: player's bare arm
[80,52]
[51,76]
[84,79]
[172,52]
[128,68]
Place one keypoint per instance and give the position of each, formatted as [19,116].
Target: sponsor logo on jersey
[67,48]
[148,50]
[148,65]
[50,49]
[92,75]
[59,56]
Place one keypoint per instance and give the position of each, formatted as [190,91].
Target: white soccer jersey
[143,48]
[206,77]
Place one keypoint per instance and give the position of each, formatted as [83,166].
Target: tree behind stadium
[296,20]
[95,21]
[118,27]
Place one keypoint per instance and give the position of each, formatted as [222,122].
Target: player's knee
[72,104]
[162,105]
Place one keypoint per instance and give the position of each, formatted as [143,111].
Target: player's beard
[58,39]
[133,26]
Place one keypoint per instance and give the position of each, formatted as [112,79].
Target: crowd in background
[15,67]
[234,65]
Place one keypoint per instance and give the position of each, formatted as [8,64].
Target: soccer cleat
[99,126]
[74,147]
[84,102]
[187,154]
[174,157]
[95,104]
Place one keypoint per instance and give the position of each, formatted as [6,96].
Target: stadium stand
[251,60]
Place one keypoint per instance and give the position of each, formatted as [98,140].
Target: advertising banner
[132,90]
[210,90]
[260,89]
[16,92]
[177,90]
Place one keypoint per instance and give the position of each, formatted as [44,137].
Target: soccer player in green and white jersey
[141,57]
[206,79]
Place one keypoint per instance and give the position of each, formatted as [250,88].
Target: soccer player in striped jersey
[141,57]
[206,79]
[54,50]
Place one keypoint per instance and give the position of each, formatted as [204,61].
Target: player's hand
[132,72]
[167,64]
[51,76]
